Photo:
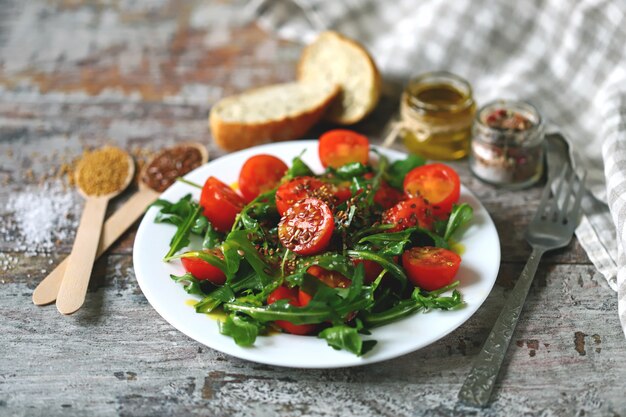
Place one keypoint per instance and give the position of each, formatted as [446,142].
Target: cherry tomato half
[436,183]
[430,268]
[291,294]
[221,204]
[306,227]
[203,270]
[340,146]
[259,174]
[408,213]
[295,190]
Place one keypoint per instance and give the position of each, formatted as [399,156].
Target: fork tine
[569,191]
[575,213]
[552,206]
[543,202]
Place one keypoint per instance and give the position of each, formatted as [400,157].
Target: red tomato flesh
[295,190]
[408,213]
[340,146]
[221,204]
[436,183]
[386,196]
[203,270]
[259,174]
[290,294]
[306,227]
[430,268]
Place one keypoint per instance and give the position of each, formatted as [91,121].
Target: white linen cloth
[568,58]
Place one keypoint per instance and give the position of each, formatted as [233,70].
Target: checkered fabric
[566,57]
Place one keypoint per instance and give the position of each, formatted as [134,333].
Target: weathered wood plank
[116,355]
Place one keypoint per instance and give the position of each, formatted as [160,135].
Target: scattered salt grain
[40,217]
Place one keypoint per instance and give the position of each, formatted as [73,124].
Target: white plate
[477,274]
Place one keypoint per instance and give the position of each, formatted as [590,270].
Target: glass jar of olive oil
[437,110]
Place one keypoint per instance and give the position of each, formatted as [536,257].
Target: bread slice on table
[337,59]
[272,113]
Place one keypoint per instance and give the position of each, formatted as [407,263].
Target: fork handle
[480,382]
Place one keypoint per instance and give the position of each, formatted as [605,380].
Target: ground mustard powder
[102,171]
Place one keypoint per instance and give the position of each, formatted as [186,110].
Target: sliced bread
[272,113]
[339,60]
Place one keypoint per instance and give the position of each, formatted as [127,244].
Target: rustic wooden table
[78,74]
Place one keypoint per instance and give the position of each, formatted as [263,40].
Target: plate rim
[239,352]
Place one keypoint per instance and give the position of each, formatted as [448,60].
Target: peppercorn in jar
[507,145]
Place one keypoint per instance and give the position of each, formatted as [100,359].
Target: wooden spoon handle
[115,226]
[78,271]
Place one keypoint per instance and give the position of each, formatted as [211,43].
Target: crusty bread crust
[232,136]
[337,113]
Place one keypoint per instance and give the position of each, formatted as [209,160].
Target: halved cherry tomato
[340,146]
[430,268]
[291,294]
[259,174]
[329,277]
[436,183]
[408,213]
[306,227]
[221,204]
[295,190]
[203,270]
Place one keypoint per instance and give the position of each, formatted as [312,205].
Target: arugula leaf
[190,284]
[345,337]
[298,169]
[212,238]
[200,225]
[398,170]
[181,237]
[237,247]
[394,243]
[220,295]
[381,171]
[390,266]
[350,170]
[245,279]
[460,215]
[331,261]
[242,329]
[262,206]
[372,230]
[174,213]
[356,286]
[417,302]
[326,305]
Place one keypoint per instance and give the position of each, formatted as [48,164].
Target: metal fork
[551,228]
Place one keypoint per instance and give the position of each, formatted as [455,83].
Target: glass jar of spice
[508,144]
[437,110]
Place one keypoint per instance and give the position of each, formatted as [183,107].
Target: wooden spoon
[120,221]
[78,270]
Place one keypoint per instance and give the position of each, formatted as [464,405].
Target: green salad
[334,255]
